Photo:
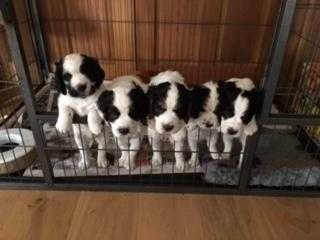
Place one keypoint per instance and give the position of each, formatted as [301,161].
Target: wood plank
[105,215]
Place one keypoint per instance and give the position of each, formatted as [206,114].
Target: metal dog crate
[281,159]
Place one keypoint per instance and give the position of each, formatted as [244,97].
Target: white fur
[155,126]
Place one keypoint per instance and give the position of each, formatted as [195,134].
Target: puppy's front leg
[155,142]
[193,137]
[124,145]
[94,122]
[243,140]
[211,143]
[227,142]
[64,121]
[135,144]
[179,139]
[102,161]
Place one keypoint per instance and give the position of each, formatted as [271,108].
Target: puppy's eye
[228,113]
[157,110]
[67,76]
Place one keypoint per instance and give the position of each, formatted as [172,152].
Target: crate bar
[38,37]
[248,158]
[279,48]
[15,45]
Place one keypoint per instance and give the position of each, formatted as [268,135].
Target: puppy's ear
[139,111]
[256,97]
[150,97]
[58,77]
[92,69]
[198,97]
[184,103]
[105,102]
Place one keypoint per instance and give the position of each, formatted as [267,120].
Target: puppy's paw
[125,163]
[83,165]
[193,160]
[63,126]
[214,155]
[95,127]
[180,166]
[225,156]
[156,160]
[102,163]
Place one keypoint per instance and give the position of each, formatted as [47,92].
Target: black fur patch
[91,69]
[228,92]
[182,108]
[198,99]
[105,105]
[157,96]
[58,78]
[255,98]
[139,105]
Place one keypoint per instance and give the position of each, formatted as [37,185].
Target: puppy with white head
[79,81]
[124,105]
[239,103]
[203,123]
[169,113]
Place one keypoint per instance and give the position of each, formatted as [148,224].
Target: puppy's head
[124,106]
[239,103]
[169,103]
[204,100]
[78,75]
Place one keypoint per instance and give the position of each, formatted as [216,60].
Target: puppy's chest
[82,106]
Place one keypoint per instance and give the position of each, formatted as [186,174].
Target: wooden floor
[103,215]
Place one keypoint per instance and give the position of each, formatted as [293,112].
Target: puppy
[124,105]
[168,115]
[239,103]
[79,81]
[203,123]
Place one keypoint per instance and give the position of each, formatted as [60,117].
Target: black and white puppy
[239,103]
[203,123]
[124,105]
[79,81]
[169,113]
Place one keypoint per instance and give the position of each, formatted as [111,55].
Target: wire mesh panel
[298,87]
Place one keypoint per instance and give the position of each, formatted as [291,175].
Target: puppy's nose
[123,131]
[82,87]
[231,131]
[168,127]
[209,125]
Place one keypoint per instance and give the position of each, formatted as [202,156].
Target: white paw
[215,155]
[225,156]
[180,166]
[124,162]
[95,127]
[102,163]
[63,126]
[156,160]
[83,165]
[193,160]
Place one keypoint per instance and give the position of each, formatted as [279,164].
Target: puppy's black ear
[139,104]
[92,69]
[198,97]
[150,98]
[183,108]
[58,77]
[257,100]
[105,105]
